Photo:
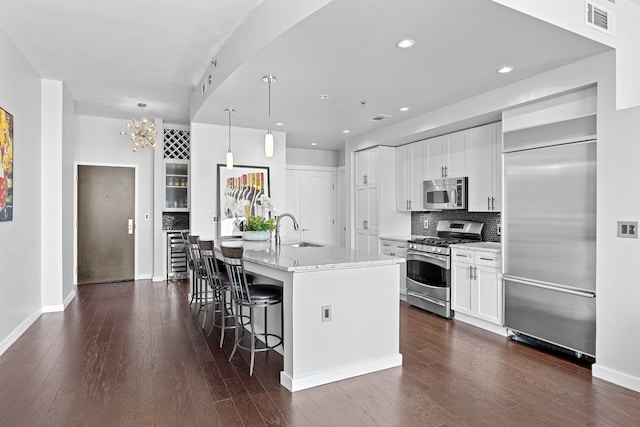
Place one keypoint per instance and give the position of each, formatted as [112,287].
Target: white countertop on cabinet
[297,259]
[485,246]
[396,238]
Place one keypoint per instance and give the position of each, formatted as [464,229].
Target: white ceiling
[114,54]
[120,54]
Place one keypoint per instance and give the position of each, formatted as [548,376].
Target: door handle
[130,226]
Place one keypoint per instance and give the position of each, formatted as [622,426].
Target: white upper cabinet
[485,168]
[445,156]
[409,176]
[366,167]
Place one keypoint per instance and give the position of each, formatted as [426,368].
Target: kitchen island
[341,309]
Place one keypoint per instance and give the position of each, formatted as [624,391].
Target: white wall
[618,293]
[20,256]
[309,157]
[98,142]
[51,183]
[68,185]
[208,148]
[570,14]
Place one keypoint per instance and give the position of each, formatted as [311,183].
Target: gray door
[106,203]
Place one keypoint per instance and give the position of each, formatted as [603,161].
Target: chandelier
[141,132]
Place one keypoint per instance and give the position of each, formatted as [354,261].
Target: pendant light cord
[229,149]
[270,104]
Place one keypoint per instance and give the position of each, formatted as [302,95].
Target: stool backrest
[208,260]
[235,270]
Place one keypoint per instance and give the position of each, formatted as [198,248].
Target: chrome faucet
[279,217]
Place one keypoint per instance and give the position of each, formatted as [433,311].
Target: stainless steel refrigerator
[550,243]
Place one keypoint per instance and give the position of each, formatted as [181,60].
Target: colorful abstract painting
[6,166]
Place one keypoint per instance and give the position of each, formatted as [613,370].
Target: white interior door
[311,198]
[317,207]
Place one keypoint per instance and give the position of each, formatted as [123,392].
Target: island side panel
[362,335]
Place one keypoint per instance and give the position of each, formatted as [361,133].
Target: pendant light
[229,153]
[268,138]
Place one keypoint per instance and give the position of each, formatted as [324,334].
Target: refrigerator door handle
[542,285]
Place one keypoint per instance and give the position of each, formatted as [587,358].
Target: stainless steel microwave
[445,193]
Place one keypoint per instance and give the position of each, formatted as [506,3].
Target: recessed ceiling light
[404,108]
[279,124]
[505,70]
[314,143]
[403,44]
[323,97]
[346,131]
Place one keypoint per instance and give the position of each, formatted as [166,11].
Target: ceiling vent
[379,117]
[599,17]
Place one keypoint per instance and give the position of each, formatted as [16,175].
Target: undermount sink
[304,245]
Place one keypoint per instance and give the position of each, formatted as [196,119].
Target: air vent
[379,117]
[599,17]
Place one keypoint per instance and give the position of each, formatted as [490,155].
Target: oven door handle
[426,298]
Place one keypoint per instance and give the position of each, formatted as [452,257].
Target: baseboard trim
[69,298]
[59,307]
[297,384]
[158,279]
[52,308]
[619,378]
[17,332]
[483,324]
[145,277]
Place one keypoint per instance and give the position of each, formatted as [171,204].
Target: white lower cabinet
[476,286]
[399,249]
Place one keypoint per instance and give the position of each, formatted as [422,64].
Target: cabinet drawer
[490,259]
[462,255]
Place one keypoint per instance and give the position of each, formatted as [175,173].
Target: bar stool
[221,286]
[251,297]
[199,293]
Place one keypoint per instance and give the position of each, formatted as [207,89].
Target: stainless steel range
[429,265]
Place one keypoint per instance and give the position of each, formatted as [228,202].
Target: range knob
[439,250]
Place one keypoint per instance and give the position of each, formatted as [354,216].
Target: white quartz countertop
[485,246]
[396,238]
[302,259]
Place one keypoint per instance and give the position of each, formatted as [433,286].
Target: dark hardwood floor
[133,354]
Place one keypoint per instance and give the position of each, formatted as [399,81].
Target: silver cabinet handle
[470,272]
[492,204]
[446,171]
[487,259]
[364,178]
[409,204]
[442,171]
[488,203]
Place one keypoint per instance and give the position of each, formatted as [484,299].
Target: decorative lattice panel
[176,144]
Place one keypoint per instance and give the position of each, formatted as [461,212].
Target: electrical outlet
[628,229]
[499,229]
[146,217]
[326,313]
[214,219]
[426,224]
